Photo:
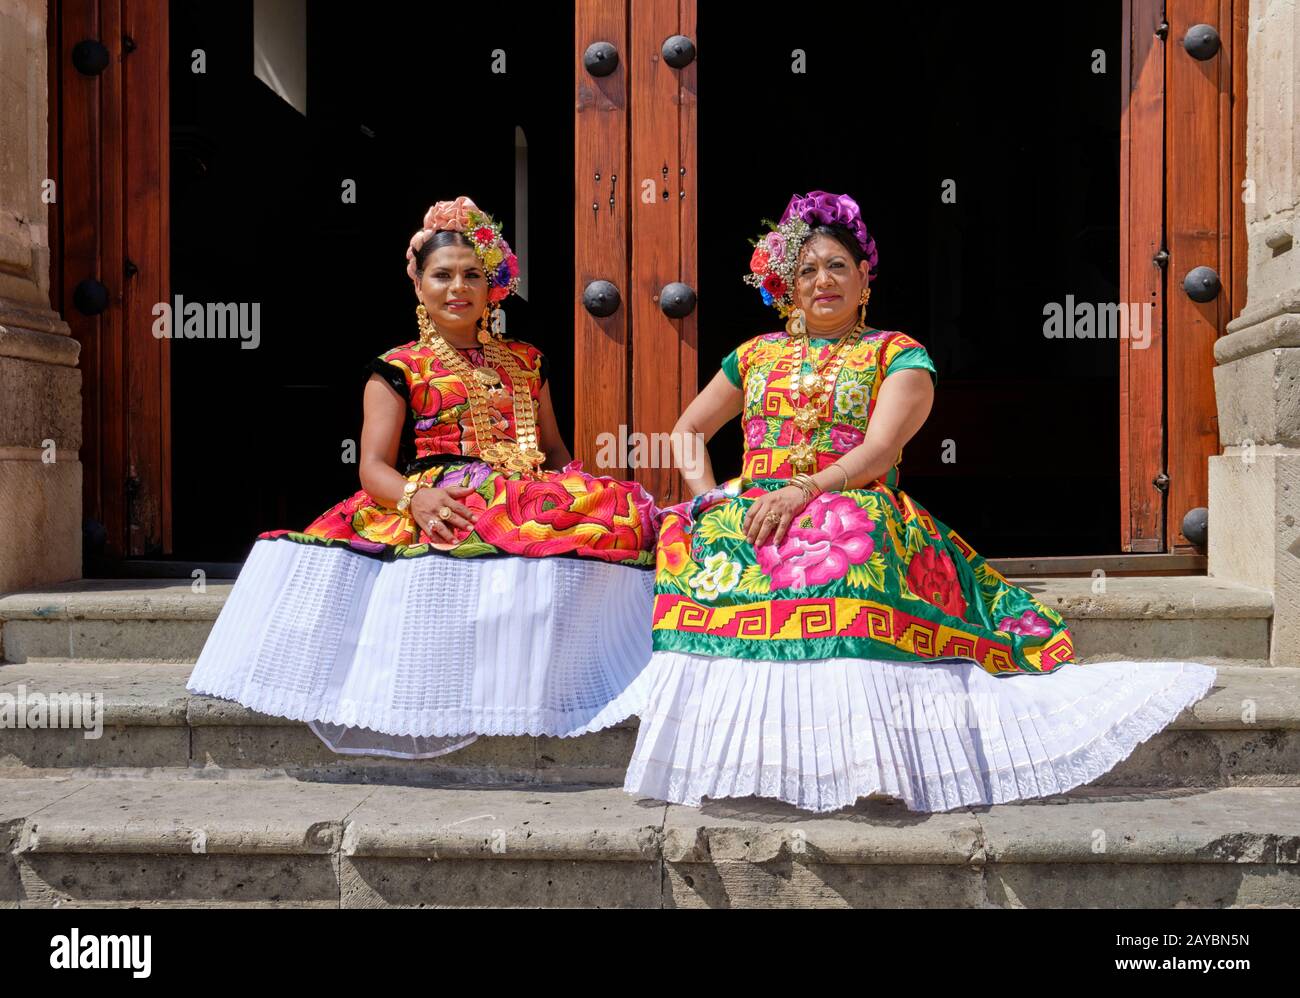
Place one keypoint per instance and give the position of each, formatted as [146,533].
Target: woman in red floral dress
[819,636]
[465,589]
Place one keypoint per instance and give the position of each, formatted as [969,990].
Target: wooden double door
[1010,169]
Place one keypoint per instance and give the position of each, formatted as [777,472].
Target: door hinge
[128,44]
[1161,482]
[1161,259]
[1162,32]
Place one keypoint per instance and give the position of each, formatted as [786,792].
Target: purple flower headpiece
[771,268]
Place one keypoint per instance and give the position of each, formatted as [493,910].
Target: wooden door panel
[601,228]
[1142,376]
[1198,172]
[660,381]
[111,216]
[1182,168]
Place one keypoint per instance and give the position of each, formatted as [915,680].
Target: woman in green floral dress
[818,635]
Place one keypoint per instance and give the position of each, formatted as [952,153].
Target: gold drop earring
[795,325]
[492,324]
[427,331]
[862,301]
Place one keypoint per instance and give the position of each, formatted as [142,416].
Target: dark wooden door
[1182,182]
[110,243]
[635,226]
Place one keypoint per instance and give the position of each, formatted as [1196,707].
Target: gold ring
[772,518]
[444,512]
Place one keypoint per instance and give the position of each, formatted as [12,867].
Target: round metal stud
[90,297]
[678,51]
[1202,284]
[677,300]
[1196,527]
[1202,42]
[90,57]
[601,58]
[601,299]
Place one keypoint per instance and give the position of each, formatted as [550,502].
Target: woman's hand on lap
[428,500]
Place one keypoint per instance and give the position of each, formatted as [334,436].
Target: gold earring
[491,324]
[794,325]
[427,331]
[862,301]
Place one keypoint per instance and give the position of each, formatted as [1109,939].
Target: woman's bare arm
[381,434]
[709,411]
[901,409]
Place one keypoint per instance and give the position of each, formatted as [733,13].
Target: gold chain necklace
[815,387]
[519,455]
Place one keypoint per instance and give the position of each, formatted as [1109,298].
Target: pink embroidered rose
[755,430]
[832,533]
[1027,623]
[845,437]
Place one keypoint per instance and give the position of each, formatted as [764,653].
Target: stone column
[40,385]
[1254,522]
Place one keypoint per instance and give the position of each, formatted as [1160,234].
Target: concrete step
[1246,732]
[68,842]
[1171,617]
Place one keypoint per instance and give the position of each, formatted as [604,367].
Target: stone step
[1169,617]
[1246,732]
[69,842]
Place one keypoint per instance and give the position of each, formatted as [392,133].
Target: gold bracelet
[404,500]
[811,489]
[840,468]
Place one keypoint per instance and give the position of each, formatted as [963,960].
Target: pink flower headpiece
[494,253]
[776,253]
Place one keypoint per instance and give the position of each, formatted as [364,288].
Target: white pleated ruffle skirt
[943,734]
[414,658]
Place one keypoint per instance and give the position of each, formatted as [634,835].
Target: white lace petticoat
[416,657]
[819,734]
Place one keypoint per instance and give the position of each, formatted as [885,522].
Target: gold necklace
[485,375]
[519,455]
[816,388]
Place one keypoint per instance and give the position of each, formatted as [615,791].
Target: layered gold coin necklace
[519,455]
[815,387]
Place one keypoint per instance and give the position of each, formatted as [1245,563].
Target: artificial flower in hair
[484,233]
[776,253]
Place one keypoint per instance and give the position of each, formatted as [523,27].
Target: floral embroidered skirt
[392,643]
[840,663]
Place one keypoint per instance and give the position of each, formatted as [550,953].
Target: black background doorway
[411,115]
[897,98]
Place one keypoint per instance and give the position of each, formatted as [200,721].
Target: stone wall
[1255,483]
[40,385]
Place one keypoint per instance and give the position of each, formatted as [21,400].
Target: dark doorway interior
[896,100]
[258,216]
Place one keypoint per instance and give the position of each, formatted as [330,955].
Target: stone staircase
[186,800]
